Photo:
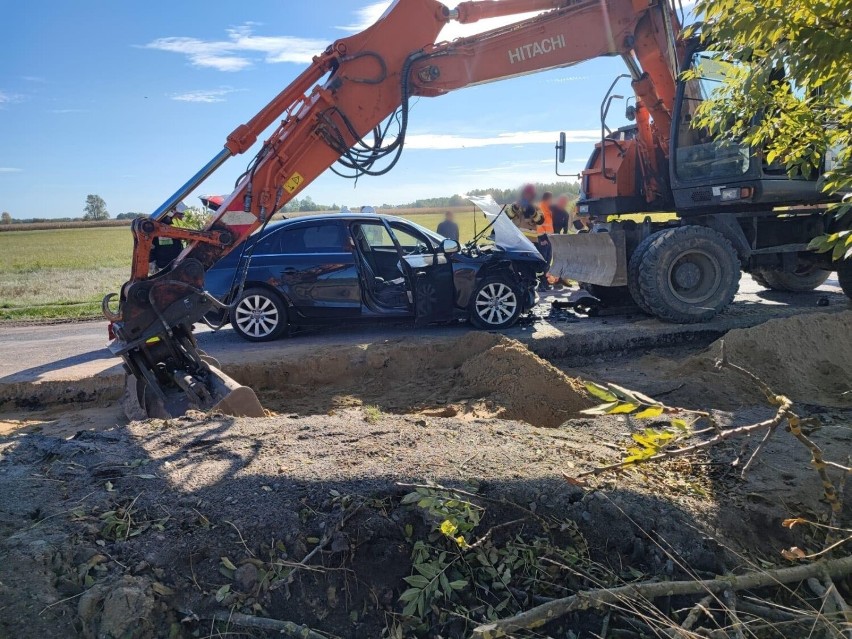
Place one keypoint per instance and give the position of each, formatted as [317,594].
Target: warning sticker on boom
[293,183]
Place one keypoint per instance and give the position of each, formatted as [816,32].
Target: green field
[61,273]
[64,273]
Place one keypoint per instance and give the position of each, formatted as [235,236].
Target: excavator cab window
[698,154]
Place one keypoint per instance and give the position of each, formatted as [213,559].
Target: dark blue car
[344,267]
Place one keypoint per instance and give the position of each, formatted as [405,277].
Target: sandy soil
[121,530]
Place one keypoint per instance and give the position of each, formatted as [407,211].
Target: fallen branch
[545,613]
[676,452]
[326,539]
[285,628]
[695,614]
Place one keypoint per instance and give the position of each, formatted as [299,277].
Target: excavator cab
[706,172]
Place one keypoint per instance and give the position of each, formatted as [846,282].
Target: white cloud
[9,169]
[570,78]
[236,53]
[9,98]
[366,16]
[204,95]
[443,141]
[61,111]
[369,14]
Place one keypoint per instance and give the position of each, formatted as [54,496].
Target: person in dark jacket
[448,228]
[165,249]
[560,215]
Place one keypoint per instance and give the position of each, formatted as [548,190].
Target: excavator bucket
[592,258]
[221,394]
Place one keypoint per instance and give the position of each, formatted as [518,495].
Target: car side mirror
[448,247]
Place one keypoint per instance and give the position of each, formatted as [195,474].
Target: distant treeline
[296,205]
[501,196]
[53,224]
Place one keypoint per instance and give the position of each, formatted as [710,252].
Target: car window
[370,236]
[269,244]
[410,239]
[315,238]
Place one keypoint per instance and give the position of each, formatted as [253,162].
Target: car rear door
[316,270]
[430,273]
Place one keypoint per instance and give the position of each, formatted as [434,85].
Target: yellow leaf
[448,528]
[651,411]
[622,408]
[601,392]
[789,523]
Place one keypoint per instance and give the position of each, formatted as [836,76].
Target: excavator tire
[634,269]
[689,274]
[799,281]
[844,277]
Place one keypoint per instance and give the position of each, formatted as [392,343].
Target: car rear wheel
[496,304]
[259,315]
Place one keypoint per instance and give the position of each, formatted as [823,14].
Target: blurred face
[449,216]
[528,193]
[562,202]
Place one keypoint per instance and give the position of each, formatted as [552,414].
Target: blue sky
[128,100]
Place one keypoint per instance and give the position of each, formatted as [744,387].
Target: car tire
[634,268]
[259,315]
[495,304]
[800,281]
[689,274]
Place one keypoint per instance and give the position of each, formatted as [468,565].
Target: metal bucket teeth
[226,396]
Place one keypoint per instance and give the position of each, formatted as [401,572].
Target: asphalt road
[77,351]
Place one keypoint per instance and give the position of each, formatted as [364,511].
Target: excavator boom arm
[341,110]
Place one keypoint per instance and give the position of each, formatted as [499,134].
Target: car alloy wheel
[257,316]
[496,304]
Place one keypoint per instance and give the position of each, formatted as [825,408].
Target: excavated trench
[479,375]
[472,376]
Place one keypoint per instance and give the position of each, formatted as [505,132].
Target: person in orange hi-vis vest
[544,229]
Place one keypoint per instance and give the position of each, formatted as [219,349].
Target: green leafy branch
[456,577]
[651,441]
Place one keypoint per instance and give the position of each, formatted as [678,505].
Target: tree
[130,215]
[6,218]
[790,92]
[95,208]
[194,217]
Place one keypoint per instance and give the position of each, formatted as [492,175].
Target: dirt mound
[526,387]
[479,375]
[806,357]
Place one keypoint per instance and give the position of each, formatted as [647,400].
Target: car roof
[323,217]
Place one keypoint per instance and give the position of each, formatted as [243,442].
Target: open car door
[429,272]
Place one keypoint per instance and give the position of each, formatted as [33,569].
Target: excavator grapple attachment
[220,394]
[593,258]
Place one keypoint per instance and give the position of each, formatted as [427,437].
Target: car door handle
[289,270]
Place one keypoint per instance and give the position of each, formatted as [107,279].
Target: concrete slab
[69,363]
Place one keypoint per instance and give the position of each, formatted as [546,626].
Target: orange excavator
[349,112]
